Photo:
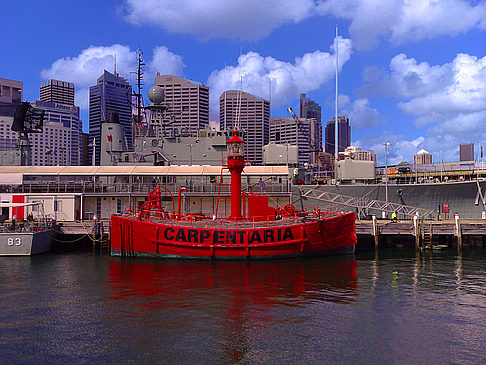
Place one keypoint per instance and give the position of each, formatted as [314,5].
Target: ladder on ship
[362,204]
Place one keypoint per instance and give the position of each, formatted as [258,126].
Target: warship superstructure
[157,144]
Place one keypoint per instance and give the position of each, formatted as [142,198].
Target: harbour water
[395,307]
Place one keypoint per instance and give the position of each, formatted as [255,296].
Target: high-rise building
[310,109]
[466,152]
[60,143]
[111,93]
[422,158]
[238,109]
[10,98]
[344,134]
[286,131]
[188,103]
[56,91]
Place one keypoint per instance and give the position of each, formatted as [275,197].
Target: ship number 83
[14,241]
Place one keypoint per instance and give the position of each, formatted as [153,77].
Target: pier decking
[451,231]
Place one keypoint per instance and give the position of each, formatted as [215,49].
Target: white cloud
[463,93]
[362,115]
[447,101]
[205,19]
[402,21]
[287,79]
[84,69]
[398,21]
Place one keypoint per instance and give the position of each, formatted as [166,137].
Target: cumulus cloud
[84,69]
[398,21]
[244,19]
[447,101]
[260,75]
[361,114]
[404,21]
[461,91]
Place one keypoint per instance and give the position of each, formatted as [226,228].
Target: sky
[412,73]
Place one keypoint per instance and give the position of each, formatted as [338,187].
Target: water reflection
[169,283]
[234,298]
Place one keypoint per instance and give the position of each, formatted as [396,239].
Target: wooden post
[375,230]
[416,231]
[457,231]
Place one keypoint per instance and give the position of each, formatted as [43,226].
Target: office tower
[466,152]
[344,133]
[422,158]
[56,91]
[111,93]
[238,109]
[188,103]
[60,143]
[286,131]
[310,109]
[10,98]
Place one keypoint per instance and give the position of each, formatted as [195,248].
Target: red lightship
[262,233]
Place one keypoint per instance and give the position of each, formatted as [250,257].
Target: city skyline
[408,75]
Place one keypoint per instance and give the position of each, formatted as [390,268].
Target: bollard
[416,231]
[375,230]
[457,231]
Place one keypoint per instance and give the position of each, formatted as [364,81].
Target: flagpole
[336,126]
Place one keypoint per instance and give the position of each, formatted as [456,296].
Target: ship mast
[138,94]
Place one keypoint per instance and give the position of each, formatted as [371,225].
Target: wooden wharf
[426,234]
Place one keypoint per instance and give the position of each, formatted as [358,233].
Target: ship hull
[130,237]
[25,243]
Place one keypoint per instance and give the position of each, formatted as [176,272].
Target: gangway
[363,204]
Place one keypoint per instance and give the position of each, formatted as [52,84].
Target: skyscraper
[310,109]
[188,103]
[56,91]
[238,109]
[285,131]
[344,134]
[60,143]
[111,93]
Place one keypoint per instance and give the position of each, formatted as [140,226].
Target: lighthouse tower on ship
[236,163]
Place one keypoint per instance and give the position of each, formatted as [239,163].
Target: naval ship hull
[467,198]
[25,243]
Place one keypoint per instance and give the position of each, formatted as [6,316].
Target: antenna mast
[138,94]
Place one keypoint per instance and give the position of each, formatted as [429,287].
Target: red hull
[131,237]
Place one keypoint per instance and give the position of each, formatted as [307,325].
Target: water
[397,308]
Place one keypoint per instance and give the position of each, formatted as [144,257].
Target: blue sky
[412,72]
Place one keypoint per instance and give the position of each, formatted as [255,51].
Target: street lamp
[386,170]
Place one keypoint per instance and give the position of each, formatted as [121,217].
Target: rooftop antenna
[115,65]
[336,126]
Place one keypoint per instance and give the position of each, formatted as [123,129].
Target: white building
[60,142]
[356,153]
